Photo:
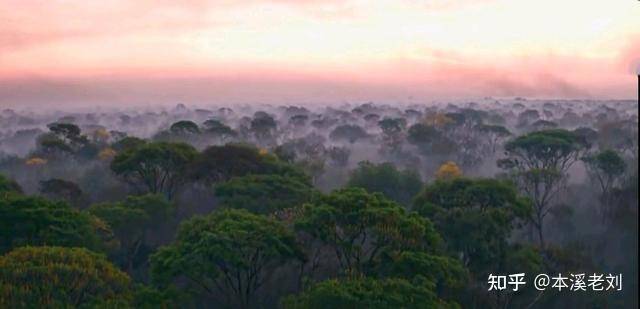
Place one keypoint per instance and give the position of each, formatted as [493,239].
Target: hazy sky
[297,51]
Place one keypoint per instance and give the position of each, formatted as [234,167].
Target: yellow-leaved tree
[448,170]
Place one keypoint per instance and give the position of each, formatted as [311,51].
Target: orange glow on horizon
[547,48]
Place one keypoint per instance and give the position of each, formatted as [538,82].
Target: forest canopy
[352,206]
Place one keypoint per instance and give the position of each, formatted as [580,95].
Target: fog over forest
[345,205]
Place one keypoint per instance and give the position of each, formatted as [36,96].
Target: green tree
[8,186]
[348,132]
[361,227]
[494,134]
[392,129]
[58,277]
[68,132]
[475,217]
[399,186]
[36,221]
[230,251]
[132,220]
[429,140]
[263,126]
[128,143]
[219,129]
[538,162]
[221,163]
[49,145]
[368,293]
[184,127]
[607,169]
[155,167]
[264,194]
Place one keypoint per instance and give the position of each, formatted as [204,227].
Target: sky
[83,52]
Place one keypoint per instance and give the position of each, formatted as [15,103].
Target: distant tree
[607,169]
[539,162]
[58,277]
[494,134]
[448,170]
[422,134]
[229,251]
[399,186]
[310,147]
[219,129]
[368,293]
[371,118]
[349,133]
[184,127]
[35,221]
[100,136]
[65,139]
[298,120]
[542,124]
[117,135]
[157,167]
[50,145]
[339,155]
[221,163]
[263,194]
[621,136]
[392,129]
[429,140]
[286,152]
[60,189]
[586,136]
[323,123]
[128,143]
[392,126]
[68,132]
[263,126]
[527,117]
[312,166]
[132,220]
[436,120]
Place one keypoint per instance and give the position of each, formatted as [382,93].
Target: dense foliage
[357,206]
[61,278]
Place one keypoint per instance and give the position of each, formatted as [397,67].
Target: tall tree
[155,167]
[494,135]
[607,169]
[538,162]
[231,251]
